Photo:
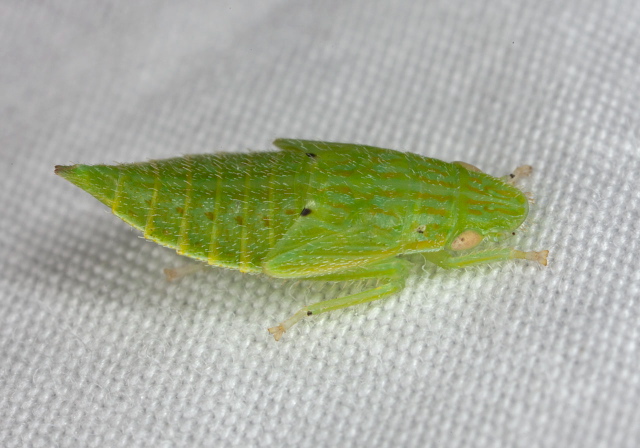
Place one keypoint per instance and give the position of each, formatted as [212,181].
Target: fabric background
[97,349]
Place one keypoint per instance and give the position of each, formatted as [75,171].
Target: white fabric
[96,349]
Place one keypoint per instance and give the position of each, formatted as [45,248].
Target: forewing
[315,146]
[312,247]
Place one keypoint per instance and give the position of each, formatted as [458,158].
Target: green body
[313,210]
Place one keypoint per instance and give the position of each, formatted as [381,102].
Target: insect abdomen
[226,209]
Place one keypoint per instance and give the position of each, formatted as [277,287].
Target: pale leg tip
[542,257]
[170,274]
[277,332]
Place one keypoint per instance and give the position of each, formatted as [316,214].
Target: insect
[316,210]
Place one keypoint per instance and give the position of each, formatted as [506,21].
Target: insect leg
[392,272]
[173,274]
[445,260]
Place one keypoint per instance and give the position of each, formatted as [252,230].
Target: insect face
[490,210]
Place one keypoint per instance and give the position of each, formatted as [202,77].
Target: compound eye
[466,240]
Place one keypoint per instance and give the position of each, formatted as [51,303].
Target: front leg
[392,272]
[446,260]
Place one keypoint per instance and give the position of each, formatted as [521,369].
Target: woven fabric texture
[97,349]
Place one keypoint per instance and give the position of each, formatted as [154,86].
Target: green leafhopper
[316,210]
